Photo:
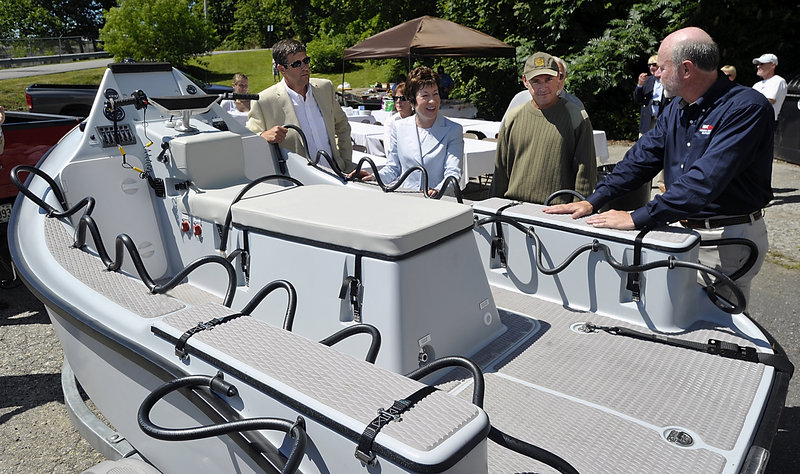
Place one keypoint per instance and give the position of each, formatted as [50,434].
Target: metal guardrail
[57,58]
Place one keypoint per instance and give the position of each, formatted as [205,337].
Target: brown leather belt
[715,222]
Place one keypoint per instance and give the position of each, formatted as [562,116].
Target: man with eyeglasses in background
[771,85]
[308,103]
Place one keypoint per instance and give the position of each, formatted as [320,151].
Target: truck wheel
[8,276]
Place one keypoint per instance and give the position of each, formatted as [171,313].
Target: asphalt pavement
[36,434]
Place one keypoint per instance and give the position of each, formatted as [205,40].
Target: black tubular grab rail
[595,246]
[295,429]
[451,181]
[229,215]
[564,191]
[496,435]
[751,258]
[87,202]
[348,331]
[123,241]
[291,306]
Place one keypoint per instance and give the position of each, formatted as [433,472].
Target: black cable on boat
[124,242]
[531,451]
[229,215]
[496,435]
[374,346]
[669,263]
[291,306]
[295,429]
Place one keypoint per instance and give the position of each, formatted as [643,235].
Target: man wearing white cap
[771,85]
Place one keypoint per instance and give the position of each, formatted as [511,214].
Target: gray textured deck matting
[345,384]
[128,292]
[624,392]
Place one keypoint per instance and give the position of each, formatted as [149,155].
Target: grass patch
[785,261]
[257,65]
[216,69]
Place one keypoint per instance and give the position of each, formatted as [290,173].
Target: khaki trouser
[729,258]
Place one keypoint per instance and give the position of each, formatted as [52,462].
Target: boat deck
[541,374]
[630,392]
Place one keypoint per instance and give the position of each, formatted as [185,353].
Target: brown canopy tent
[429,36]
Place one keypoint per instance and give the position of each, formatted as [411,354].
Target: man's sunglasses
[297,63]
[399,98]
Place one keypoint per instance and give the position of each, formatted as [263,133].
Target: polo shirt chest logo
[706,129]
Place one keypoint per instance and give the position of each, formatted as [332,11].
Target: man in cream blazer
[308,103]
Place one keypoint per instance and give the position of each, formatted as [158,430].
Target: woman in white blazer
[426,139]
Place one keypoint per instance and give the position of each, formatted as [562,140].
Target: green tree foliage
[157,30]
[52,18]
[251,20]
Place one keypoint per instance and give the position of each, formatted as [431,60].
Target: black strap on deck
[716,347]
[498,245]
[353,285]
[633,277]
[364,450]
[180,346]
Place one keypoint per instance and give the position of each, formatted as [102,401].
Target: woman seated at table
[403,108]
[426,139]
[238,108]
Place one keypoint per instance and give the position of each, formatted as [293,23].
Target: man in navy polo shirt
[715,144]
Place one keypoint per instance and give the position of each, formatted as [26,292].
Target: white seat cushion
[368,221]
[212,204]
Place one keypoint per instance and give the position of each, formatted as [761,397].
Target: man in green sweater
[545,145]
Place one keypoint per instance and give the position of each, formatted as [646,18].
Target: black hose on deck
[296,429]
[499,437]
[534,452]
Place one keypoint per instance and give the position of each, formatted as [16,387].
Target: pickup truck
[64,99]
[28,136]
[77,100]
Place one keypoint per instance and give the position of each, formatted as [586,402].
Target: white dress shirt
[311,122]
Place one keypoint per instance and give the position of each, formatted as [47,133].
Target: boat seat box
[215,164]
[210,160]
[589,282]
[318,236]
[337,394]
